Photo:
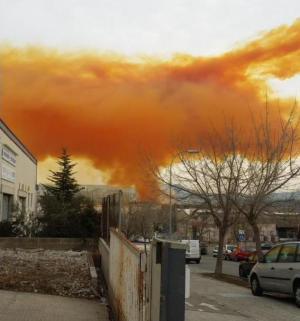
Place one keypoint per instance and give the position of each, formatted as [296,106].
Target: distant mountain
[184,197]
[286,196]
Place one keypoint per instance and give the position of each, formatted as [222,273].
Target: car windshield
[266,246]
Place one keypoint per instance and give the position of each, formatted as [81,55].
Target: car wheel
[297,295]
[255,286]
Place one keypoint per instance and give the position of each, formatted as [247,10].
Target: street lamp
[188,151]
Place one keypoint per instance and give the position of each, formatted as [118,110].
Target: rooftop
[16,140]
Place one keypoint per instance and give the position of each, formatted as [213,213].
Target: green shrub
[6,229]
[77,218]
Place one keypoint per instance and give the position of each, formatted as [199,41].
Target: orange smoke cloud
[107,107]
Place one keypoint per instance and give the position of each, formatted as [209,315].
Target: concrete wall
[48,243]
[104,251]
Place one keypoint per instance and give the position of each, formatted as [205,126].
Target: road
[215,300]
[208,265]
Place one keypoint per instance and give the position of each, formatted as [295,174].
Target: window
[9,156]
[8,174]
[287,253]
[22,201]
[7,203]
[271,256]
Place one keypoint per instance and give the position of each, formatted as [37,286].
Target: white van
[192,251]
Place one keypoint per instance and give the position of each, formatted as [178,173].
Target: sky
[198,27]
[135,28]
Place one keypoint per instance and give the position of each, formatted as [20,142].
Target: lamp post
[188,151]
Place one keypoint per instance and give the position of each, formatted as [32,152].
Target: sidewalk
[19,306]
[215,300]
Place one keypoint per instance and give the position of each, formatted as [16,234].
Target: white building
[18,175]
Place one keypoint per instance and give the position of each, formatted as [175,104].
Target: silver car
[278,271]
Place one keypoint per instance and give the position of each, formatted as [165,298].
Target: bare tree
[200,221]
[143,219]
[235,171]
[271,162]
[210,175]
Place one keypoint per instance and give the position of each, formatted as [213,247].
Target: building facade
[273,226]
[18,173]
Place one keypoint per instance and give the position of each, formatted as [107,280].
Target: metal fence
[111,214]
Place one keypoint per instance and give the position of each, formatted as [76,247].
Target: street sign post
[242,236]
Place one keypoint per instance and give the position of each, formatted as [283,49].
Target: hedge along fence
[47,243]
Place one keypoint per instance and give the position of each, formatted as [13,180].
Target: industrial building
[18,175]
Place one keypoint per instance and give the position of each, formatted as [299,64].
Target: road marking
[189,304]
[210,306]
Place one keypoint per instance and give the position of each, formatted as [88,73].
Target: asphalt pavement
[208,263]
[216,300]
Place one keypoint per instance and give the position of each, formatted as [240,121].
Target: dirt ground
[64,273]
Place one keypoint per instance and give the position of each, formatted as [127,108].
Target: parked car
[203,248]
[240,254]
[228,248]
[278,271]
[192,251]
[265,247]
[246,266]
[215,251]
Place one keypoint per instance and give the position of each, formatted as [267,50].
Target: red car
[240,254]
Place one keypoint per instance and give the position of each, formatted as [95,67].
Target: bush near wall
[77,218]
[6,229]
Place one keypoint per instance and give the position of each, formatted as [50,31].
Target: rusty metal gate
[127,279]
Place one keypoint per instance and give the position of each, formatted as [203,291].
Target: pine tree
[64,186]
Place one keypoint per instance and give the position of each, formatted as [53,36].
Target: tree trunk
[256,233]
[219,263]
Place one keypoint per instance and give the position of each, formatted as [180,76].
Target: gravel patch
[64,273]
